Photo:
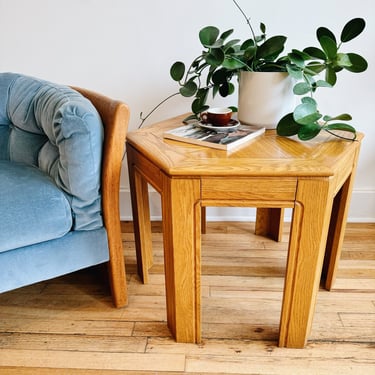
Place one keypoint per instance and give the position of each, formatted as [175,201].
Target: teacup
[217,116]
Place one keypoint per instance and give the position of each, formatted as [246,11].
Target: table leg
[141,218]
[336,232]
[269,223]
[181,211]
[305,259]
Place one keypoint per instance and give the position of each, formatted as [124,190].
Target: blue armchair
[60,159]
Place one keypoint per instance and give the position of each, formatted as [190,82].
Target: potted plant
[224,59]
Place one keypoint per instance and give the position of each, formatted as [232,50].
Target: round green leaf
[309,100]
[303,55]
[249,43]
[208,35]
[306,113]
[230,44]
[330,77]
[271,47]
[220,76]
[270,67]
[314,68]
[189,89]
[249,53]
[215,57]
[329,47]
[294,71]
[359,64]
[225,34]
[316,53]
[177,70]
[342,116]
[309,131]
[224,89]
[202,95]
[218,44]
[341,126]
[321,83]
[301,88]
[197,106]
[352,29]
[231,88]
[287,127]
[324,32]
[297,59]
[232,63]
[343,60]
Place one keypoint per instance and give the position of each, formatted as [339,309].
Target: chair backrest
[57,130]
[115,118]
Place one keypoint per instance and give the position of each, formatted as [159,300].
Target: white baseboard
[362,208]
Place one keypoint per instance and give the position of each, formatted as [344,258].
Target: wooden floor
[68,325]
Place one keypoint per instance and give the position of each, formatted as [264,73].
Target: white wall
[125,48]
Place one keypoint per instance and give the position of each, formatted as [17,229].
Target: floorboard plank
[68,326]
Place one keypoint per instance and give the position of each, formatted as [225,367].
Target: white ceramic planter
[264,98]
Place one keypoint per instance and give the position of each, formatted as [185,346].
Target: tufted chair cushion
[57,130]
[33,209]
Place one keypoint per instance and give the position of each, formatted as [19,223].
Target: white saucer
[233,124]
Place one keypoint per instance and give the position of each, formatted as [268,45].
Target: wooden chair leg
[116,264]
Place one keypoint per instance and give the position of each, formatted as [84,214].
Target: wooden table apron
[316,181]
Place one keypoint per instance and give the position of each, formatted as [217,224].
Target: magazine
[223,138]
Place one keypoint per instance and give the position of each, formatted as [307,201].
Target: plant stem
[247,19]
[251,29]
[340,136]
[154,109]
[192,70]
[240,61]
